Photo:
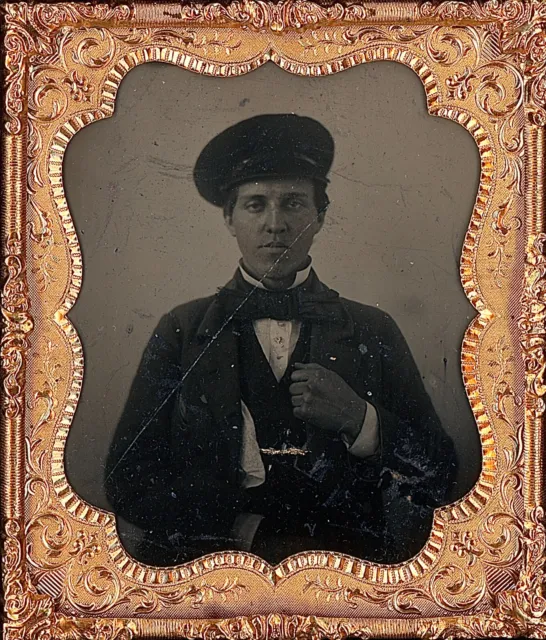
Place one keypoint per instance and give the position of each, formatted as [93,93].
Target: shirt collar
[301,277]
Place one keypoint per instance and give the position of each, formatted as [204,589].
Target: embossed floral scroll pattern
[66,575]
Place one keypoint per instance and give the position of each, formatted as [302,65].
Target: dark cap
[266,146]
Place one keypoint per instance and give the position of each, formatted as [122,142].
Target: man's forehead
[274,186]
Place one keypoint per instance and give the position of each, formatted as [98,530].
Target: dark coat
[174,464]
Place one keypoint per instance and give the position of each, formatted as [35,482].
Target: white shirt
[278,340]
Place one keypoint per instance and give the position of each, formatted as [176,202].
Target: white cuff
[367,441]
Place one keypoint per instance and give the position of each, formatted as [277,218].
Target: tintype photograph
[271,314]
[274,320]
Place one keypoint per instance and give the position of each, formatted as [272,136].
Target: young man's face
[274,222]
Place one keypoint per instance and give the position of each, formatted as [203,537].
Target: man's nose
[275,220]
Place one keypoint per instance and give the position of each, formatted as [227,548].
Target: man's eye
[254,206]
[294,204]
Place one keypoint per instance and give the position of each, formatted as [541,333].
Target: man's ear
[323,202]
[321,215]
[228,221]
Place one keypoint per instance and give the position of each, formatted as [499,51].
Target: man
[276,417]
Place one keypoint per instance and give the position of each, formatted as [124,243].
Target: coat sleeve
[416,463]
[145,483]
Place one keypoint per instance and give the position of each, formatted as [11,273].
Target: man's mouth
[274,245]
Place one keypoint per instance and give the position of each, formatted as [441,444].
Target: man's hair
[322,201]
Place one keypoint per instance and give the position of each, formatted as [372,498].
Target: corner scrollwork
[32,615]
[520,611]
[523,34]
[526,603]
[32,34]
[23,608]
[521,25]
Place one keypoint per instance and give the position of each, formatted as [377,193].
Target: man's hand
[324,399]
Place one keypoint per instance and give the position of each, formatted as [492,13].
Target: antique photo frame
[65,572]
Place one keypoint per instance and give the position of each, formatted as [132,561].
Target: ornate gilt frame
[65,573]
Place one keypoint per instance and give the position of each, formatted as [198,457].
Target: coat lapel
[332,346]
[217,369]
[219,363]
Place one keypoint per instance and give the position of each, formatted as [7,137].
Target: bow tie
[292,304]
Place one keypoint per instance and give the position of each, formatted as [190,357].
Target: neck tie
[291,304]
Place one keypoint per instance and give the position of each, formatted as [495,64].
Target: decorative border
[37,36]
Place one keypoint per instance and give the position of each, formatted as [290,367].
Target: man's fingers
[297,401]
[298,388]
[300,375]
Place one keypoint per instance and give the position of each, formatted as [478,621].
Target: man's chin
[279,272]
